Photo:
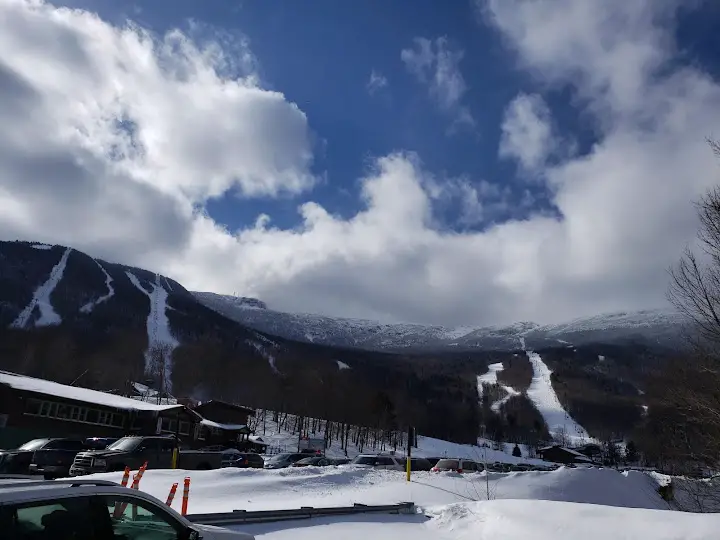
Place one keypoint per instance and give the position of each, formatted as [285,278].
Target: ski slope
[560,424]
[41,298]
[161,341]
[491,378]
[87,308]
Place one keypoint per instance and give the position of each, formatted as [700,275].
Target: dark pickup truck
[51,458]
[133,452]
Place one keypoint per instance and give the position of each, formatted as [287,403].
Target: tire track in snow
[41,298]
[160,338]
[87,308]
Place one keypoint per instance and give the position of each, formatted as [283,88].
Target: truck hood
[102,453]
[213,532]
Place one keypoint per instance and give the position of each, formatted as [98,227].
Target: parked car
[242,460]
[419,464]
[89,509]
[379,461]
[315,461]
[433,460]
[459,465]
[133,452]
[99,443]
[50,457]
[281,461]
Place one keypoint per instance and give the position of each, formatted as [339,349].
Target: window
[184,428]
[73,413]
[384,461]
[57,519]
[137,519]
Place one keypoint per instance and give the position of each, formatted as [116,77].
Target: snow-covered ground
[563,504]
[41,298]
[560,424]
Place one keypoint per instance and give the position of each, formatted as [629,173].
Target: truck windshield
[34,444]
[126,444]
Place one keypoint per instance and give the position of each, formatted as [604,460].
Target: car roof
[15,490]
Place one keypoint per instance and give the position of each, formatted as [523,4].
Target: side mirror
[191,534]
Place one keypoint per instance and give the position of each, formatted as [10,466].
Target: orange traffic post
[118,507]
[186,496]
[171,495]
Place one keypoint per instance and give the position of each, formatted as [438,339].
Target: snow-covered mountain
[653,327]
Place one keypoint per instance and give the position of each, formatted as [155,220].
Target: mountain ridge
[653,327]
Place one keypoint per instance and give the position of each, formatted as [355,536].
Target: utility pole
[410,439]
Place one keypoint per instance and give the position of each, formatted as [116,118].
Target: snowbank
[545,520]
[230,489]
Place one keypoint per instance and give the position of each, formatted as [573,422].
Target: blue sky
[321,54]
[537,161]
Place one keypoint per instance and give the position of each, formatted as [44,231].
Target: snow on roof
[565,449]
[50,388]
[226,427]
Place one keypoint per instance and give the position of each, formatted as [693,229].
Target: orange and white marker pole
[186,496]
[119,507]
[171,495]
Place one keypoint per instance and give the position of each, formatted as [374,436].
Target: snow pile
[41,298]
[546,520]
[560,424]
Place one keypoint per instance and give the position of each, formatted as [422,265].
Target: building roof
[564,449]
[226,404]
[226,427]
[76,393]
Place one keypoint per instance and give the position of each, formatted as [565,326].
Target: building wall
[25,416]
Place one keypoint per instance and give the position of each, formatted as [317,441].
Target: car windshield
[448,464]
[34,444]
[125,444]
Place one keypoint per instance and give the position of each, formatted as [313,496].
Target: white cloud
[134,191]
[377,81]
[437,64]
[527,132]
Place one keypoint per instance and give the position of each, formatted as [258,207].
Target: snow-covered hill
[655,327]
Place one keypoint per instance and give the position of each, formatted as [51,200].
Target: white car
[379,461]
[94,510]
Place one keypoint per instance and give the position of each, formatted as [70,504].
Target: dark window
[92,416]
[65,445]
[33,406]
[137,519]
[364,460]
[60,518]
[385,461]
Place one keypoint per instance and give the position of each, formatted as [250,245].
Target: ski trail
[161,342]
[266,355]
[41,298]
[495,407]
[491,378]
[488,378]
[87,308]
[559,423]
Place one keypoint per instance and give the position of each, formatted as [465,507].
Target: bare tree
[690,386]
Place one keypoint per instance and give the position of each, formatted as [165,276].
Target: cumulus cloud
[527,132]
[113,139]
[377,81]
[437,65]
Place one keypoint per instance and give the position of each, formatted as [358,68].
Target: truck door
[165,453]
[148,451]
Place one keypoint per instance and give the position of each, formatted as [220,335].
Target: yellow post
[408,468]
[174,461]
